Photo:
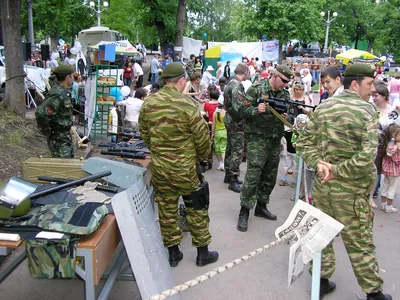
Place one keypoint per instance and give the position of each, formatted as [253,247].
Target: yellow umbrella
[357,56]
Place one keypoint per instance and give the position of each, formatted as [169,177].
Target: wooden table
[93,253]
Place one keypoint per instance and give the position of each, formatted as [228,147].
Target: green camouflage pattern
[233,101]
[190,69]
[51,258]
[263,134]
[172,127]
[343,131]
[234,96]
[265,124]
[234,152]
[262,168]
[55,217]
[54,120]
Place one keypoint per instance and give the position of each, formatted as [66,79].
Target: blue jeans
[378,186]
[154,78]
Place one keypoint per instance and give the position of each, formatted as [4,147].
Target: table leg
[87,274]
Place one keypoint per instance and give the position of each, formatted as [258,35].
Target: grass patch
[16,138]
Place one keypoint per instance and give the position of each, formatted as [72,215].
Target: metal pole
[328,23]
[316,277]
[30,27]
[98,14]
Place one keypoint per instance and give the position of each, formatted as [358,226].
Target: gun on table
[137,155]
[103,188]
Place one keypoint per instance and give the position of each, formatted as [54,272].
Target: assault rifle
[282,106]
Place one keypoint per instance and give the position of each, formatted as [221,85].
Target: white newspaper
[313,231]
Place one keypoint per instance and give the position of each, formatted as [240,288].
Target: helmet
[14,200]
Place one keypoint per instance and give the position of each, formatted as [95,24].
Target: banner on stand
[270,50]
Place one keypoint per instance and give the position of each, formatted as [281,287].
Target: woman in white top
[207,78]
[132,108]
[380,96]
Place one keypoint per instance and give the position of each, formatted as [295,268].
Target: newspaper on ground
[313,231]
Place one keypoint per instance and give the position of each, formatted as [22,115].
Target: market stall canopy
[357,56]
[123,47]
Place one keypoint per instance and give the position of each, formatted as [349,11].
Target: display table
[94,253]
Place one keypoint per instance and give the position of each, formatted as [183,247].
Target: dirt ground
[19,140]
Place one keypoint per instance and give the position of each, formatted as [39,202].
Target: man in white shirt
[138,75]
[132,108]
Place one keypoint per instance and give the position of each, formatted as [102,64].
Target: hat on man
[172,70]
[359,70]
[210,68]
[63,69]
[285,71]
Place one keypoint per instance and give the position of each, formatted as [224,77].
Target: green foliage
[57,18]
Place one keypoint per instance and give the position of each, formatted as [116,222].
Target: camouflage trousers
[234,152]
[60,144]
[354,211]
[198,220]
[262,168]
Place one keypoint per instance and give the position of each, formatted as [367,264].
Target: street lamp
[328,24]
[98,11]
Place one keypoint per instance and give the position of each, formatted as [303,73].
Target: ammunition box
[56,167]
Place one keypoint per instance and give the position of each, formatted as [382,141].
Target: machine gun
[282,106]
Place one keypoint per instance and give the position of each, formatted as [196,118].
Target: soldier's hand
[284,115]
[261,107]
[324,171]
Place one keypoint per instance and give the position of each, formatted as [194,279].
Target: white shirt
[133,106]
[137,70]
[307,83]
[206,79]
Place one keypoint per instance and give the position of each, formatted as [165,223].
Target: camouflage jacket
[55,113]
[265,124]
[233,101]
[190,67]
[343,131]
[173,129]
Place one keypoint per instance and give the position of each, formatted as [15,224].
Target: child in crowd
[299,123]
[391,169]
[219,135]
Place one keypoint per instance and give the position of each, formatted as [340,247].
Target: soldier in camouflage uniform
[172,127]
[343,154]
[263,132]
[54,115]
[190,69]
[233,101]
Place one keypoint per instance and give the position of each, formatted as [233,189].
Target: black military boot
[205,257]
[234,185]
[243,219]
[379,296]
[227,178]
[175,256]
[262,211]
[326,287]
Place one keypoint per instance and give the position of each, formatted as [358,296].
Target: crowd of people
[333,151]
[344,141]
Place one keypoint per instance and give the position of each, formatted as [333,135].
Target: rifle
[137,155]
[282,106]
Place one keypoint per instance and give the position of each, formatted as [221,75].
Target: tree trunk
[180,27]
[370,43]
[15,83]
